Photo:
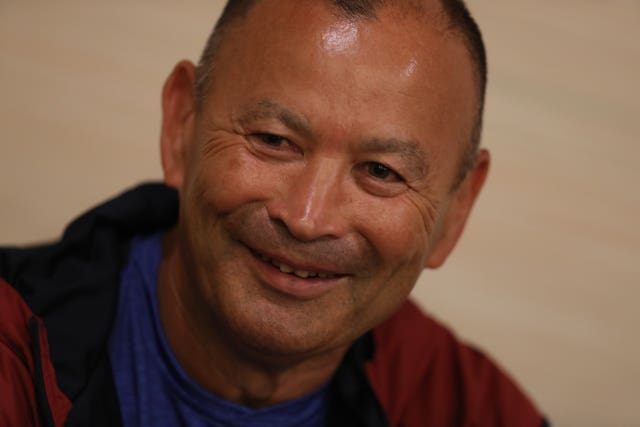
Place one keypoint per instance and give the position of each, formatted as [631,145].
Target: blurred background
[547,276]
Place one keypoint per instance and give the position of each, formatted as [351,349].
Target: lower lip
[291,284]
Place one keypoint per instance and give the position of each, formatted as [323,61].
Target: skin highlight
[339,164]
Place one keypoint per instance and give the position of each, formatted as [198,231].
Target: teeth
[300,273]
[305,274]
[285,268]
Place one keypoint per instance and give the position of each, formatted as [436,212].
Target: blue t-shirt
[153,389]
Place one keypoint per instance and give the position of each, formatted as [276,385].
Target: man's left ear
[459,210]
[177,122]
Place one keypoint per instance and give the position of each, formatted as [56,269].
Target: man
[321,155]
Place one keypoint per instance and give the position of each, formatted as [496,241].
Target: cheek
[398,233]
[231,178]
[398,236]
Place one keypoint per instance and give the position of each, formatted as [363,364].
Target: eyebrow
[269,109]
[409,150]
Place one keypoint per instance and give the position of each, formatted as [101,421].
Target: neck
[232,370]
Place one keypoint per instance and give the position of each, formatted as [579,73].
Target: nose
[310,203]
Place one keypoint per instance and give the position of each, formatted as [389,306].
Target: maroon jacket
[57,304]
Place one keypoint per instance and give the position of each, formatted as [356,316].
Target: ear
[459,210]
[177,122]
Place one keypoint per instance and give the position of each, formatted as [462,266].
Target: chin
[291,330]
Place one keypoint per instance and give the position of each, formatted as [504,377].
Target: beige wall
[546,278]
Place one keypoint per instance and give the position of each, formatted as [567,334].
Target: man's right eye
[271,139]
[272,144]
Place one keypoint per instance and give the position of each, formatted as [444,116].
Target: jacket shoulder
[72,285]
[27,378]
[423,375]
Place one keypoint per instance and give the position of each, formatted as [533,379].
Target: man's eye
[271,139]
[380,171]
[272,144]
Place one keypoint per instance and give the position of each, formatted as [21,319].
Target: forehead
[401,34]
[299,21]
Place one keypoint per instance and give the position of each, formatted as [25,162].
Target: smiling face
[315,178]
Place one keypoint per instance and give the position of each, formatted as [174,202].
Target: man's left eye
[382,172]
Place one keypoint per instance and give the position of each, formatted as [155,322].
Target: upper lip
[295,265]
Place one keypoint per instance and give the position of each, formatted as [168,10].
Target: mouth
[304,274]
[298,279]
[291,269]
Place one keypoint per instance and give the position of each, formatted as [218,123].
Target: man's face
[317,182]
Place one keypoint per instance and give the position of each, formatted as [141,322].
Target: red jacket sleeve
[27,382]
[423,375]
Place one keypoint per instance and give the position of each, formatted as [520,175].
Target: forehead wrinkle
[409,150]
[268,109]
